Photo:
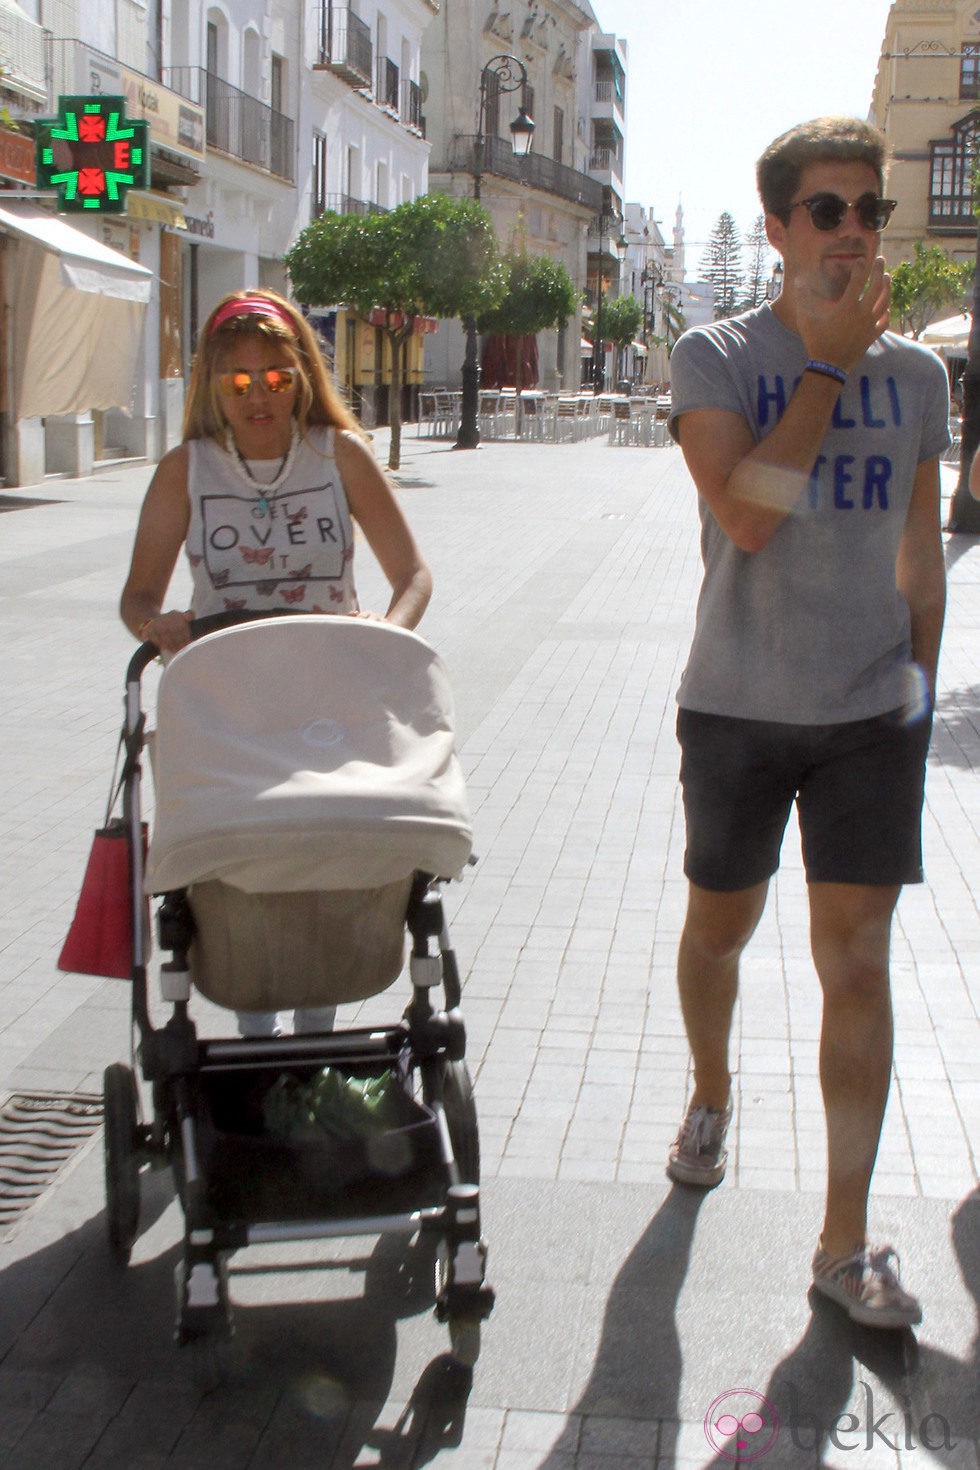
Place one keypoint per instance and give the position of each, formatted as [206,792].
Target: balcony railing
[22,43]
[411,109]
[537,171]
[347,204]
[345,44]
[237,123]
[386,84]
[608,91]
[606,158]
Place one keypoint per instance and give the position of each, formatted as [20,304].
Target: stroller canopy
[304,754]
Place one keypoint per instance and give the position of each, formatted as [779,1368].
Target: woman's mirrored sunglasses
[828,211]
[275,379]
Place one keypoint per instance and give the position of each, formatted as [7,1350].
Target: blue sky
[711,82]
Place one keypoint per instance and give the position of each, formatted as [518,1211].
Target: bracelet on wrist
[141,630]
[826,370]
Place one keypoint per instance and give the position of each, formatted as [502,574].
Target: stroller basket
[265,1154]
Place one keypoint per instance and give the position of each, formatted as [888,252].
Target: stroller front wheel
[464,1340]
[122,1161]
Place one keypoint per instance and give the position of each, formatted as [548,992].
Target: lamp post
[508,74]
[774,286]
[621,247]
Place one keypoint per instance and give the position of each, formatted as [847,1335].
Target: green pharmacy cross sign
[92,153]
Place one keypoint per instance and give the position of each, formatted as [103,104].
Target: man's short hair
[825,139]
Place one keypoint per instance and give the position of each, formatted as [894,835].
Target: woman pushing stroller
[261,493]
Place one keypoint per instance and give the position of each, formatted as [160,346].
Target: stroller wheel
[122,1162]
[457,1097]
[464,1340]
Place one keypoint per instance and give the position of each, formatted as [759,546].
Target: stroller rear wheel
[122,1160]
[464,1340]
[458,1100]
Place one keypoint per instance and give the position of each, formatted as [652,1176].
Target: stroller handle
[200,628]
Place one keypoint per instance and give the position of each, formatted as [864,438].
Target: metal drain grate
[39,1132]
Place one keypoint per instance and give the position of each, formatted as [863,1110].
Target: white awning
[78,313]
[86,264]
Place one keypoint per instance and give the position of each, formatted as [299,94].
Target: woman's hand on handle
[169,631]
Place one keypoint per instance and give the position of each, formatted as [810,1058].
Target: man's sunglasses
[276,380]
[828,211]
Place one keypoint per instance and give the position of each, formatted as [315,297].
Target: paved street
[565,583]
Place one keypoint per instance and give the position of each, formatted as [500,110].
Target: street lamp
[508,74]
[774,287]
[621,247]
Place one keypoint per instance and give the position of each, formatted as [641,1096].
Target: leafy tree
[622,318]
[539,294]
[435,256]
[721,264]
[927,287]
[758,270]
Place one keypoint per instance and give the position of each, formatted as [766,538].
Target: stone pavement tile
[683,1445]
[63,1434]
[225,1430]
[147,1427]
[534,1434]
[24,1396]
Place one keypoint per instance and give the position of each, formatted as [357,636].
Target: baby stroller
[309,806]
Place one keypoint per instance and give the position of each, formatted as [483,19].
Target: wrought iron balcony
[347,204]
[606,160]
[386,87]
[237,123]
[345,44]
[537,171]
[411,110]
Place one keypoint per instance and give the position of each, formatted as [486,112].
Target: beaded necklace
[269,489]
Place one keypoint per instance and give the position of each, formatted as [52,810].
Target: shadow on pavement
[847,1388]
[636,1373]
[300,1383]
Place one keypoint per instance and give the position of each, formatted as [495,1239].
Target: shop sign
[16,157]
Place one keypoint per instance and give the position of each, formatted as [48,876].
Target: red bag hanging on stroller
[100,939]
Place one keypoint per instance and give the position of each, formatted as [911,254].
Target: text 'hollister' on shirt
[811,629]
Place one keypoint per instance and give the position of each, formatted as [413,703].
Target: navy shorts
[858,788]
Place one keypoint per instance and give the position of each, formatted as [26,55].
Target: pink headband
[252,306]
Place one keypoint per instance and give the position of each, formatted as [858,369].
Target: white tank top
[292,547]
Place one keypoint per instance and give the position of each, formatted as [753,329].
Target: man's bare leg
[850,928]
[716,930]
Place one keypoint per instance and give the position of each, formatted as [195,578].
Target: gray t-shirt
[811,629]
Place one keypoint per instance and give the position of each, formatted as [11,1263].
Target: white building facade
[262,114]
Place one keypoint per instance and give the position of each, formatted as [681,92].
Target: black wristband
[826,370]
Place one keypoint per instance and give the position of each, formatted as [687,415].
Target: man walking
[813,437]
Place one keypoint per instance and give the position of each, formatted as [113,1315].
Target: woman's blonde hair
[317,398]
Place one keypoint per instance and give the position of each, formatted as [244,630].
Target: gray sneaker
[867,1286]
[698,1154]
